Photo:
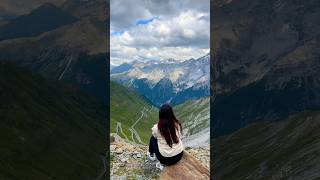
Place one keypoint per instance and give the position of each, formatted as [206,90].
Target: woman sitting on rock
[165,142]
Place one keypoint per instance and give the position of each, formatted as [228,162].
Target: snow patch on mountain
[169,80]
[183,75]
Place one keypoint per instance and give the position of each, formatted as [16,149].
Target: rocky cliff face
[266,61]
[249,37]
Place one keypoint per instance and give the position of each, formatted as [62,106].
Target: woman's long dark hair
[168,124]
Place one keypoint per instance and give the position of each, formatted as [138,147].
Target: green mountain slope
[195,115]
[289,149]
[48,130]
[127,109]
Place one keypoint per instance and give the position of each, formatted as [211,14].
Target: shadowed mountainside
[55,95]
[289,149]
[266,62]
[17,7]
[266,78]
[48,130]
[76,52]
[45,18]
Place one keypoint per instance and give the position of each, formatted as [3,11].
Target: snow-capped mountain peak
[183,75]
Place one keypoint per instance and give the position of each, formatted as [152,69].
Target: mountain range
[166,80]
[133,115]
[72,46]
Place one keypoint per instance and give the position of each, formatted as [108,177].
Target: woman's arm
[154,130]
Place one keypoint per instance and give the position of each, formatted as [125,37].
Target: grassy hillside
[48,130]
[126,107]
[195,115]
[289,149]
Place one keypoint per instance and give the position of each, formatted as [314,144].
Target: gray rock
[136,152]
[124,159]
[119,151]
[112,148]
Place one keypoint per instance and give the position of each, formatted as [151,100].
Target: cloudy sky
[159,29]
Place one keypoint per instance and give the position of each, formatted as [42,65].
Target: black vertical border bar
[212,91]
[107,11]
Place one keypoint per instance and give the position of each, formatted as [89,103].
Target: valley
[132,116]
[148,85]
[136,117]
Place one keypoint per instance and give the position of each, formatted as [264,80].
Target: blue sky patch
[144,21]
[117,33]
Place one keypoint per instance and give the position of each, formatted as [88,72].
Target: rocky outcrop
[128,161]
[201,154]
[187,168]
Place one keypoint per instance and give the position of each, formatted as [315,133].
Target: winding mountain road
[134,134]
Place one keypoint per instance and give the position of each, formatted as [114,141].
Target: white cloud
[179,29]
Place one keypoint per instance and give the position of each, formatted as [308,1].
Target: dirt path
[119,128]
